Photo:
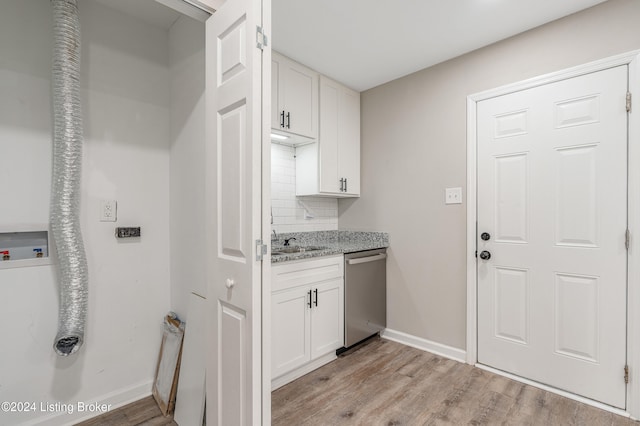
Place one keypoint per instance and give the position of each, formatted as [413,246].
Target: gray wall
[414,146]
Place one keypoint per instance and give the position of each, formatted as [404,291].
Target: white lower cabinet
[327,317]
[291,330]
[307,316]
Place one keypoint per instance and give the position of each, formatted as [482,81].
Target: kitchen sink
[296,249]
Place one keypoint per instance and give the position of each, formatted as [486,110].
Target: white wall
[414,146]
[187,66]
[288,213]
[125,80]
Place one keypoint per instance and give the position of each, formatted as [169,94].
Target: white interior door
[235,141]
[552,197]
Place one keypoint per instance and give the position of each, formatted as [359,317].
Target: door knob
[485,236]
[230,283]
[485,255]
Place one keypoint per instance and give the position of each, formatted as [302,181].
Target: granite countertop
[336,242]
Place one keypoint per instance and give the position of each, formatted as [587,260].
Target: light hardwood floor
[386,383]
[144,412]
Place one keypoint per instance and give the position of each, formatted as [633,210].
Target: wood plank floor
[386,383]
[144,412]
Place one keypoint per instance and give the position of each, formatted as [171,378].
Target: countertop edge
[280,258]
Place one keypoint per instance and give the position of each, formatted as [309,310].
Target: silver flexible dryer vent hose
[65,187]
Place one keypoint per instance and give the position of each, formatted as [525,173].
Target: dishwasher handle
[366,259]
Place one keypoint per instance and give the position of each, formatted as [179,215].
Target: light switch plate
[453,196]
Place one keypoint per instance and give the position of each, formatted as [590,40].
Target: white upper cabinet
[294,97]
[331,167]
[340,143]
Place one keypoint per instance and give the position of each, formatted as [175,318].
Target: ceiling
[161,13]
[148,11]
[365,43]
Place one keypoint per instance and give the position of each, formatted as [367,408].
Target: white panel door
[236,139]
[552,197]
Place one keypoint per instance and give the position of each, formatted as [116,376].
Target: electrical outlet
[453,196]
[108,211]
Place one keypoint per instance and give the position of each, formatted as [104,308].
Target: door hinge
[627,239]
[261,250]
[261,38]
[628,101]
[626,374]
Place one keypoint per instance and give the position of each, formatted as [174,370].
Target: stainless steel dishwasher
[365,295]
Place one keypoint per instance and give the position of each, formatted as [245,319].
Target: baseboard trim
[425,345]
[116,399]
[557,391]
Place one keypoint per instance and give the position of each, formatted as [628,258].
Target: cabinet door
[275,92]
[329,136]
[290,328]
[349,140]
[327,317]
[297,97]
[339,148]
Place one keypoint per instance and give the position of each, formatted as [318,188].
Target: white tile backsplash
[288,212]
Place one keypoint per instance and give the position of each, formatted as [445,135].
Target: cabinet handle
[345,184]
[288,120]
[309,303]
[316,292]
[341,184]
[366,259]
[282,119]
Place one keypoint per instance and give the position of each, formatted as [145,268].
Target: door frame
[632,59]
[266,215]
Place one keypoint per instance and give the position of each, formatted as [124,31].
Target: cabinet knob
[230,283]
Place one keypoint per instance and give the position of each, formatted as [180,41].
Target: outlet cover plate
[108,211]
[453,196]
